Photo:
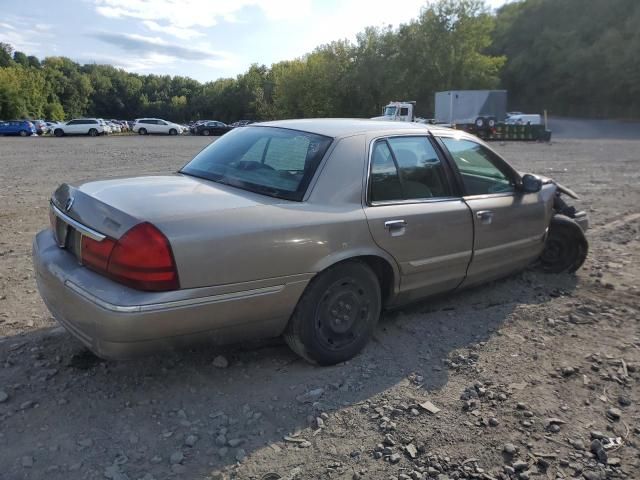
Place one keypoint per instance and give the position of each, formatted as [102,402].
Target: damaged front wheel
[566,246]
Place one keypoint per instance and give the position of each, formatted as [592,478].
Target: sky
[202,39]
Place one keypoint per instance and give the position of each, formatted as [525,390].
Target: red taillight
[141,258]
[96,254]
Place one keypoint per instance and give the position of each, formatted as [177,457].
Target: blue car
[17,127]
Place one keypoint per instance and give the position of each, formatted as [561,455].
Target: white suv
[145,126]
[79,126]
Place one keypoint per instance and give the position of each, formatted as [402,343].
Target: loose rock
[176,457]
[614,413]
[220,362]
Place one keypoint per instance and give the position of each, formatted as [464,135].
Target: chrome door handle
[390,224]
[485,216]
[396,227]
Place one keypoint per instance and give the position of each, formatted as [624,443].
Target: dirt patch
[526,372]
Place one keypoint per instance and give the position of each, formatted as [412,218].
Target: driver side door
[510,226]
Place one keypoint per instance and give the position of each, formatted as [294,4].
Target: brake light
[95,255]
[141,258]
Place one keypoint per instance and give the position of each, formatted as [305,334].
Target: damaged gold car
[300,228]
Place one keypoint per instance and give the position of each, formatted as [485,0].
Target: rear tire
[93,132]
[58,132]
[566,247]
[205,133]
[23,133]
[480,122]
[336,314]
[142,131]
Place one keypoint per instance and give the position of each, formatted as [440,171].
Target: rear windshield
[272,161]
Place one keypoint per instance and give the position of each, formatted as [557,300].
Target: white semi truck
[479,109]
[481,112]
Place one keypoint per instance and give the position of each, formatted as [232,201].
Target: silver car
[300,228]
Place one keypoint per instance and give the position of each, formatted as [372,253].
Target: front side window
[482,171]
[273,161]
[407,168]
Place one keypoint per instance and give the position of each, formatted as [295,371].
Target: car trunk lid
[112,207]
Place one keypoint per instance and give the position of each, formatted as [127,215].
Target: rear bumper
[117,322]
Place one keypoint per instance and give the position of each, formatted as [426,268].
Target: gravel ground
[524,373]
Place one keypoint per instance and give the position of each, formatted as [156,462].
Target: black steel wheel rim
[343,314]
[555,251]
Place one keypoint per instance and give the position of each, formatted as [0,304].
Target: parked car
[49,127]
[23,128]
[302,228]
[80,126]
[241,123]
[212,128]
[194,125]
[144,126]
[41,126]
[524,119]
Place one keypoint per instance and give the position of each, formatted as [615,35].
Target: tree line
[572,57]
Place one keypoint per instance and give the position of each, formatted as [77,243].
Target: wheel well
[384,272]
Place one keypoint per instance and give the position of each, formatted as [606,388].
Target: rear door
[73,127]
[510,226]
[415,214]
[161,126]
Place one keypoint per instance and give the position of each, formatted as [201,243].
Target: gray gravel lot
[537,365]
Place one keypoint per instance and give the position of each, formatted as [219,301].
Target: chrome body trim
[84,230]
[152,307]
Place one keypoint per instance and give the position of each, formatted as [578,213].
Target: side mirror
[530,183]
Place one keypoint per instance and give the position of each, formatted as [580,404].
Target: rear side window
[385,182]
[407,168]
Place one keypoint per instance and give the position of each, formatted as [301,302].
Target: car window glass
[421,172]
[287,153]
[273,161]
[384,183]
[478,167]
[404,111]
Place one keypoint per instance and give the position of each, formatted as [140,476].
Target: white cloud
[183,18]
[22,35]
[179,32]
[146,64]
[352,17]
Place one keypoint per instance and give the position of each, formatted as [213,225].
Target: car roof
[343,127]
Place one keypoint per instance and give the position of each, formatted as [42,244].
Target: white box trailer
[482,108]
